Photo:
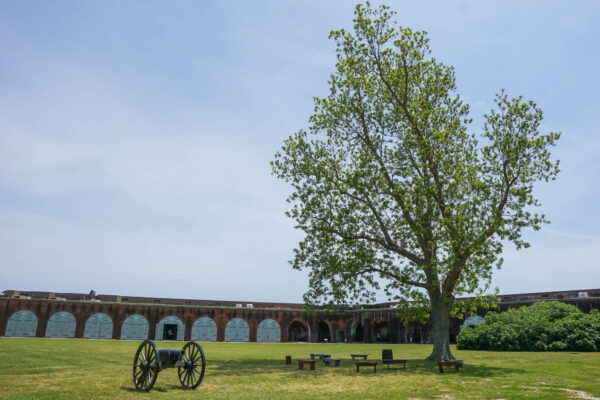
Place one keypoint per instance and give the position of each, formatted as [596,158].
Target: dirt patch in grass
[580,394]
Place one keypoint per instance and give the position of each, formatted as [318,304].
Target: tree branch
[394,276]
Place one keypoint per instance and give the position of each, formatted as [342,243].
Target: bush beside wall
[544,326]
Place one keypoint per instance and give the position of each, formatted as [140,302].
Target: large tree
[391,188]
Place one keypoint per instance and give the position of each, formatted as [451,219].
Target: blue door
[204,329]
[98,326]
[268,331]
[61,325]
[22,323]
[237,330]
[135,327]
[170,328]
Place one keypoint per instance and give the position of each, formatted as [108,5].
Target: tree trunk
[440,326]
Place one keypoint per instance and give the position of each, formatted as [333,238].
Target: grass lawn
[82,369]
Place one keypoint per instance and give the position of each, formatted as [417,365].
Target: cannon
[149,361]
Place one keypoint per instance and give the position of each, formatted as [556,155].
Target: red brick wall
[341,320]
[118,312]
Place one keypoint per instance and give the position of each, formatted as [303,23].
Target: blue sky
[135,137]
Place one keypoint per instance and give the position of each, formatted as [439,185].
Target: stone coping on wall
[126,303]
[566,299]
[333,312]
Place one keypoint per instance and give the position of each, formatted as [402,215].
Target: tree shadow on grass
[413,367]
[426,367]
[134,390]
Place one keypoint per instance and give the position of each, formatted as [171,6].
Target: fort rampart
[45,314]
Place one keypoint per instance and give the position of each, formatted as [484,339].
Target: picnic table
[355,356]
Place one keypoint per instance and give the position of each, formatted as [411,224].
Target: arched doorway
[237,330]
[98,326]
[135,327]
[297,332]
[170,328]
[357,332]
[61,325]
[324,333]
[204,329]
[381,332]
[472,321]
[21,323]
[268,331]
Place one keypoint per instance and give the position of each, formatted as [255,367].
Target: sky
[135,137]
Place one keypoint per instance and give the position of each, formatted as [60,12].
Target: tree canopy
[394,191]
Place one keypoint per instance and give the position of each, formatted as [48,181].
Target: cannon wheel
[189,375]
[145,366]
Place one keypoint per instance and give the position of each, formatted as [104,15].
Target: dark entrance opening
[380,331]
[417,334]
[340,336]
[324,333]
[358,336]
[297,332]
[170,332]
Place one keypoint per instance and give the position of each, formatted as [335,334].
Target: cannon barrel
[170,358]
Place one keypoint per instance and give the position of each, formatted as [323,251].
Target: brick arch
[21,324]
[290,335]
[268,330]
[239,333]
[171,319]
[120,314]
[202,329]
[325,331]
[357,331]
[380,331]
[61,324]
[127,334]
[98,327]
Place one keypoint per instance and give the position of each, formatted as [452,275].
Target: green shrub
[546,325]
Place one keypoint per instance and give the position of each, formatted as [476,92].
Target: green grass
[82,369]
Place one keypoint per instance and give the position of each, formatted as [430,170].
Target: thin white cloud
[575,236]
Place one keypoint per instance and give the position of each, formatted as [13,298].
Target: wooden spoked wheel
[191,374]
[145,366]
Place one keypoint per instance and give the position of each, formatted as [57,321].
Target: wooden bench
[388,362]
[316,355]
[450,363]
[387,357]
[332,361]
[309,362]
[355,356]
[366,364]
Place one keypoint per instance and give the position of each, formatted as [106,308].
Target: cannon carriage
[149,361]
